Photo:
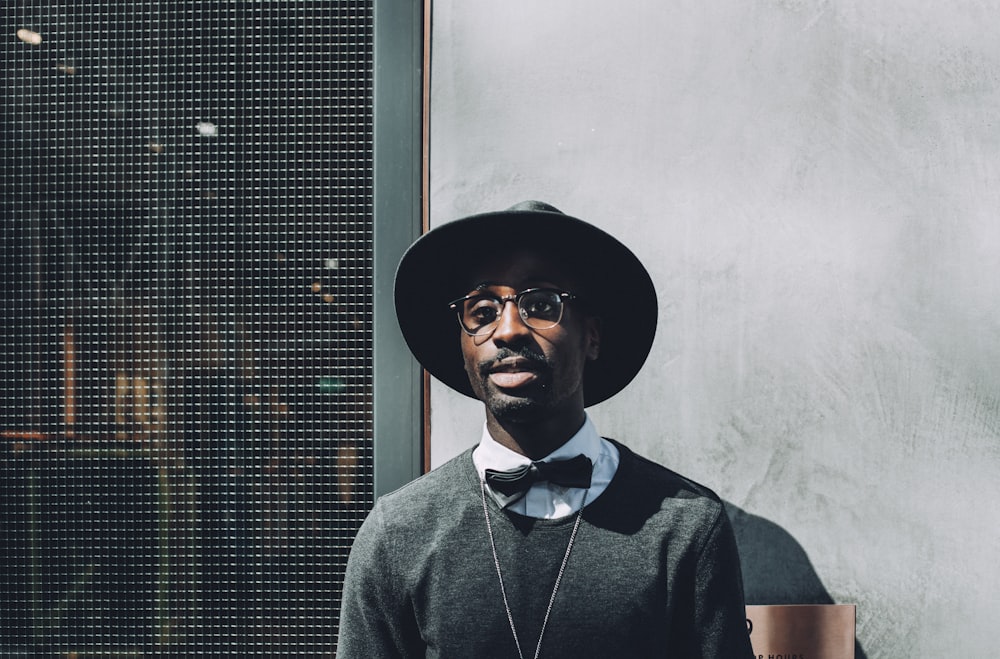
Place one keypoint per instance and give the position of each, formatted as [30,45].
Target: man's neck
[537,439]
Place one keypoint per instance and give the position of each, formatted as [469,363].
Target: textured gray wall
[815,188]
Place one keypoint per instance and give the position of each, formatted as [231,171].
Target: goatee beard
[515,408]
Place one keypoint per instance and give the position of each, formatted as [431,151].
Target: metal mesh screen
[187,193]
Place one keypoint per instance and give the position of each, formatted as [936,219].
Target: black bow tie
[513,483]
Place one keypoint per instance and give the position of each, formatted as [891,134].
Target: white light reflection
[29,36]
[207,129]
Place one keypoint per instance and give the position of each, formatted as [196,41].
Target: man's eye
[482,313]
[543,306]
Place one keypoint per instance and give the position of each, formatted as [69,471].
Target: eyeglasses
[539,308]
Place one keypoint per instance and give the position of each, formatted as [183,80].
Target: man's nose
[510,326]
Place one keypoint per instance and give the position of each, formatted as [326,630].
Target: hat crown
[534,206]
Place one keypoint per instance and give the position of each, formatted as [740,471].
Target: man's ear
[593,337]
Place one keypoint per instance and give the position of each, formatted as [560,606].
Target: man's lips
[514,373]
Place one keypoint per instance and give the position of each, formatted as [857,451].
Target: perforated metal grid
[186,374]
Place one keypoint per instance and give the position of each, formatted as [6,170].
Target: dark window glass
[186,358]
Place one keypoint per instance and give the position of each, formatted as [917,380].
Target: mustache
[524,352]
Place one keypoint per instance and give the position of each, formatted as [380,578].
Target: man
[546,540]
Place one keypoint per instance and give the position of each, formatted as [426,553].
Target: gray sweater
[654,572]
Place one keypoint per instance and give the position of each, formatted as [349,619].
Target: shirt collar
[490,454]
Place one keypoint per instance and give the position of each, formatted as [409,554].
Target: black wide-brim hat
[614,285]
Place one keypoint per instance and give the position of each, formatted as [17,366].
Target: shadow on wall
[776,569]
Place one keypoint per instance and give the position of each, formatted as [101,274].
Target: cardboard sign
[802,631]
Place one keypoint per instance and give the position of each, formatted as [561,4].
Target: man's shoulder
[427,507]
[433,488]
[641,476]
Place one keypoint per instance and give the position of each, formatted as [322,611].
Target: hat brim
[618,289]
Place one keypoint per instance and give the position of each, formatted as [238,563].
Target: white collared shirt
[545,500]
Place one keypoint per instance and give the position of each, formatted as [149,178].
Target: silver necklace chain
[555,587]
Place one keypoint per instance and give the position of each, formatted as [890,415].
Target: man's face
[526,375]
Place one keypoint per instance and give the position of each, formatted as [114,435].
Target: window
[188,381]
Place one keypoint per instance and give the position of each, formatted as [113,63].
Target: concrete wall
[815,188]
